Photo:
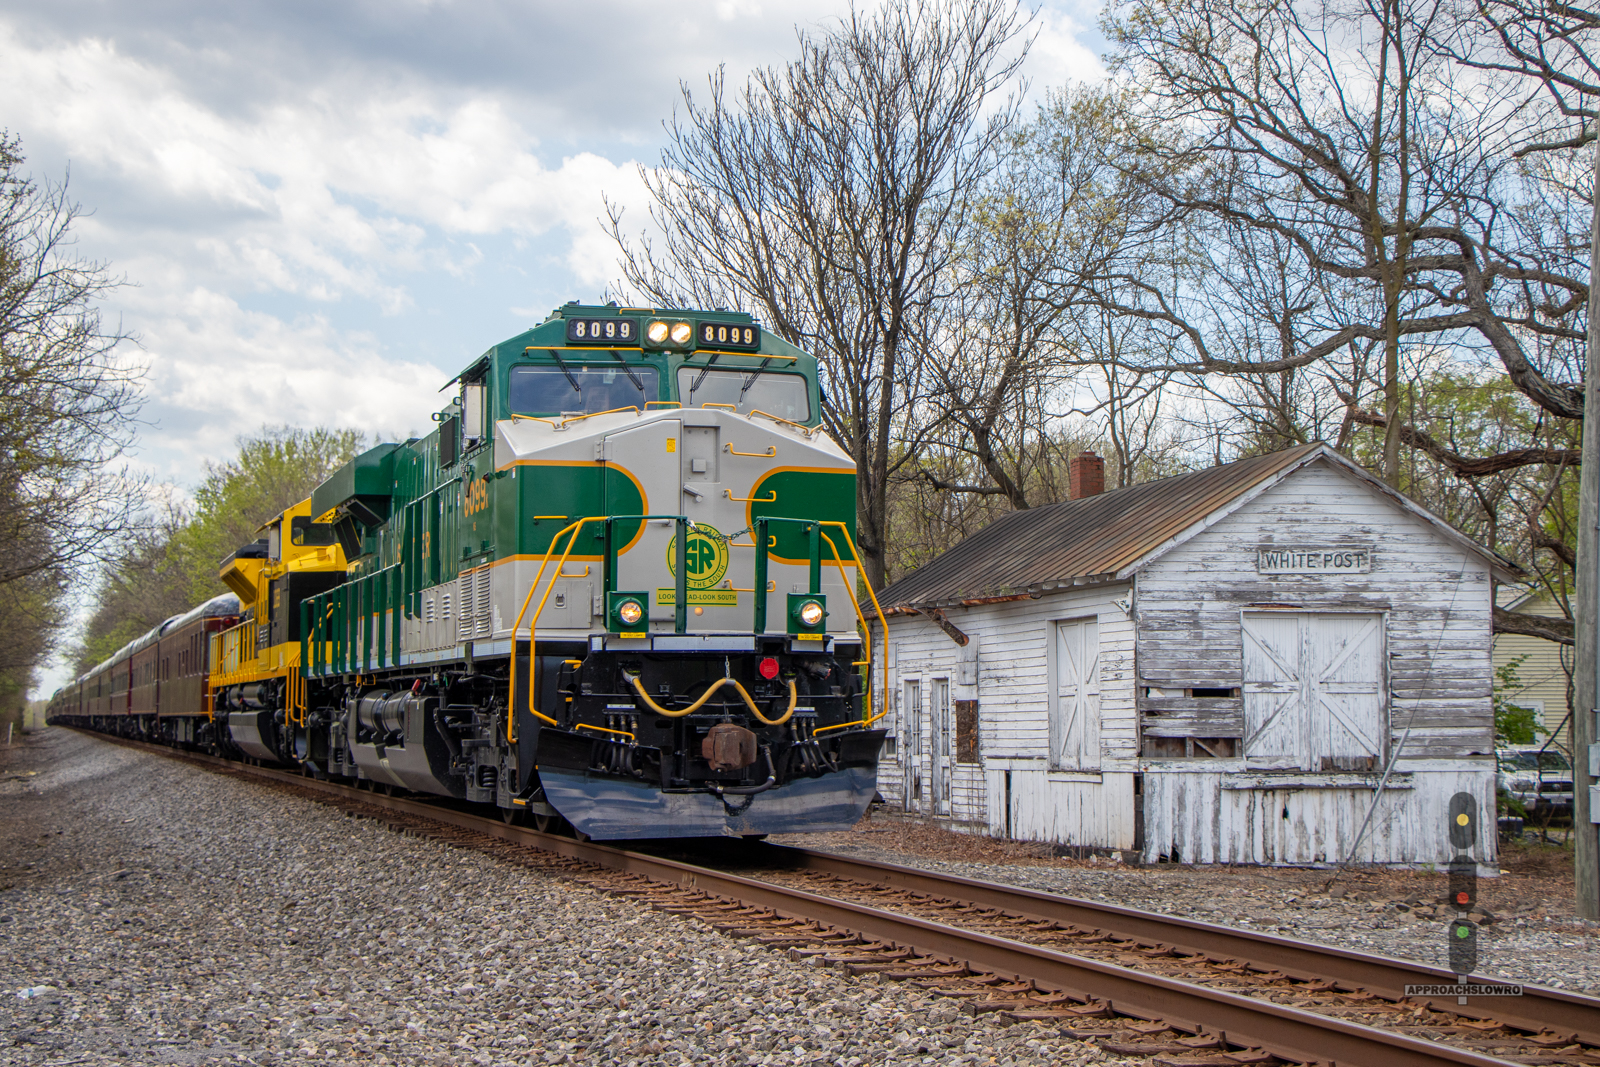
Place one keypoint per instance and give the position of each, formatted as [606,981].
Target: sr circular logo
[705,556]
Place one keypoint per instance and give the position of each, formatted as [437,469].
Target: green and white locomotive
[617,587]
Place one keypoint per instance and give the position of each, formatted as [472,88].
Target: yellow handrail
[773,499]
[862,570]
[648,404]
[807,430]
[794,698]
[533,625]
[605,730]
[771,452]
[591,414]
[736,352]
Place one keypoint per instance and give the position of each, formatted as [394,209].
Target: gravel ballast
[156,913]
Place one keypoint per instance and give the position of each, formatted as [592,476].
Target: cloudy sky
[322,210]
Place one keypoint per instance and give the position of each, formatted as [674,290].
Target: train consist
[615,589]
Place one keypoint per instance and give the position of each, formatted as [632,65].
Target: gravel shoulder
[1532,934]
[154,913]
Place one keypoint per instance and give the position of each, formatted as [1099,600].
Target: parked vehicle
[1539,776]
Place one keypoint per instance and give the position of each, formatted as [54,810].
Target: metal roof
[1100,538]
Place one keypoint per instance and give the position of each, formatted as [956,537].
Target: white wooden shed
[1220,667]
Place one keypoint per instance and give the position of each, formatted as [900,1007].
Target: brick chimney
[1086,475]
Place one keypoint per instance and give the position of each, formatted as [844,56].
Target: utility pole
[1585,846]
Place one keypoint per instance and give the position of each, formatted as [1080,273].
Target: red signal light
[768,668]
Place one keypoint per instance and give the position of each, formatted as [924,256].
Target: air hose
[794,698]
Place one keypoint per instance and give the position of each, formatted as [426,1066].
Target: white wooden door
[911,709]
[1274,690]
[1075,715]
[1345,659]
[1313,690]
[943,754]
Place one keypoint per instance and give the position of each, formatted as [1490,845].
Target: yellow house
[1542,678]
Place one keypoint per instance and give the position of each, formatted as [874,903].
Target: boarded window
[1313,690]
[1075,714]
[966,731]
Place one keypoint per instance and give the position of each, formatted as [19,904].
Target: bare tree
[1344,138]
[828,197]
[67,401]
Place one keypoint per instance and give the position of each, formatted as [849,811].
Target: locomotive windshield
[572,386]
[783,395]
[308,534]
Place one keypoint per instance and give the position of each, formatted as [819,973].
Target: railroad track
[1186,993]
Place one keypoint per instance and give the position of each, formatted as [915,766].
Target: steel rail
[1289,1033]
[1539,1007]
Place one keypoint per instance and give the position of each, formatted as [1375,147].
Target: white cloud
[218,370]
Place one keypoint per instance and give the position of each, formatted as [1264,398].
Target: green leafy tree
[273,470]
[69,403]
[1513,725]
[171,562]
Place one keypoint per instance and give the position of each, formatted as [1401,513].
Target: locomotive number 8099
[615,590]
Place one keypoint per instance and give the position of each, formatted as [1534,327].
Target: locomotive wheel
[511,816]
[546,824]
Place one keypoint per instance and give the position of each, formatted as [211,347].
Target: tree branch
[1541,626]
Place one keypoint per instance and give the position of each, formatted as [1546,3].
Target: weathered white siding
[1393,664]
[1016,693]
[1221,817]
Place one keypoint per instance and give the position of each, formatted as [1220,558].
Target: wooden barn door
[1314,690]
[1075,716]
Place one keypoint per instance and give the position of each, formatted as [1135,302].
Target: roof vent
[1086,476]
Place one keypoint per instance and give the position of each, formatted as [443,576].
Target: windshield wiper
[748,382]
[694,386]
[565,370]
[632,377]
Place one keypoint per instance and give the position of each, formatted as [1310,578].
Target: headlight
[810,613]
[681,332]
[630,612]
[657,333]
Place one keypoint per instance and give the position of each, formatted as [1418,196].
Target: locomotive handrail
[807,430]
[591,414]
[862,571]
[533,659]
[605,730]
[773,499]
[770,453]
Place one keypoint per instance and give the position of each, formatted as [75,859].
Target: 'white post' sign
[1311,560]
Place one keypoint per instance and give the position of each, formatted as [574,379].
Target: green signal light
[1463,931]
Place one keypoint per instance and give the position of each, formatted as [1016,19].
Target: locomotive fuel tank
[394,739]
